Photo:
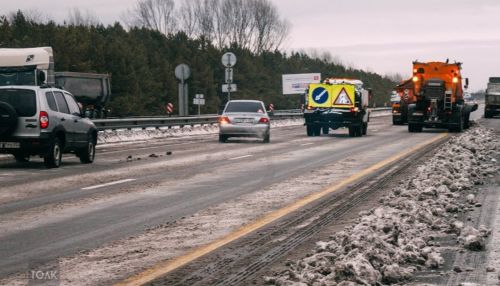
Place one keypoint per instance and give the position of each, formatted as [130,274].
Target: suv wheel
[87,154]
[54,157]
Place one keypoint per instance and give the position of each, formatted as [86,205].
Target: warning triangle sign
[343,98]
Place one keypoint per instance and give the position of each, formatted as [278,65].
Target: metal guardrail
[157,122]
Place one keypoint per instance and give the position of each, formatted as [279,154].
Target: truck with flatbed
[439,97]
[336,103]
[492,98]
[35,67]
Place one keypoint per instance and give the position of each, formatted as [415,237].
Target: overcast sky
[384,36]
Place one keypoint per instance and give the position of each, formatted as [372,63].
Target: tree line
[142,60]
[250,24]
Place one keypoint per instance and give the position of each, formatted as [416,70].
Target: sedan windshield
[253,107]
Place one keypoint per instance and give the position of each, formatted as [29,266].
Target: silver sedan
[244,118]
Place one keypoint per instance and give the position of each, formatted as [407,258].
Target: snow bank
[125,135]
[388,243]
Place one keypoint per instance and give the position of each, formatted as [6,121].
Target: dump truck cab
[492,98]
[403,95]
[439,97]
[31,66]
[336,103]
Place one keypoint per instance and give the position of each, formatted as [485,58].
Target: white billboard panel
[298,83]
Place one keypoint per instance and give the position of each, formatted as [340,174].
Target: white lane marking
[241,157]
[305,144]
[108,184]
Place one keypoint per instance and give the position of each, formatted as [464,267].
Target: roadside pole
[228,61]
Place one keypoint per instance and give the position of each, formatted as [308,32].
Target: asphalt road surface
[60,212]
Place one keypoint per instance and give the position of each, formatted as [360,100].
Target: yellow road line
[168,266]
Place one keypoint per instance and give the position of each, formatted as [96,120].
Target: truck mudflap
[323,120]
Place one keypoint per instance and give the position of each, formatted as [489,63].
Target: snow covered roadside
[389,243]
[114,136]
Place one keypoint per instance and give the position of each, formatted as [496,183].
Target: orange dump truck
[439,100]
[405,96]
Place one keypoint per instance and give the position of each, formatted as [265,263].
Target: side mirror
[466,82]
[40,77]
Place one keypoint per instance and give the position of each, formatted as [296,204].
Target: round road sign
[228,59]
[182,72]
[320,95]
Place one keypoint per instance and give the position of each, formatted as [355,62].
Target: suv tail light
[264,120]
[44,119]
[224,120]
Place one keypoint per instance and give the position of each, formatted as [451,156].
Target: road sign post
[228,60]
[199,100]
[182,72]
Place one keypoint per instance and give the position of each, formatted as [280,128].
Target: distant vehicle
[335,103]
[492,98]
[244,118]
[439,97]
[405,95]
[44,121]
[35,67]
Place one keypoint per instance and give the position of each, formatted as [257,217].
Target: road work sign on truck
[328,96]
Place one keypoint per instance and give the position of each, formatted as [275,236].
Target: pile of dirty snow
[125,135]
[389,243]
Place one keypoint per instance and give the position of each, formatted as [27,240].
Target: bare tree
[154,14]
[242,23]
[270,31]
[188,19]
[205,14]
[251,24]
[78,18]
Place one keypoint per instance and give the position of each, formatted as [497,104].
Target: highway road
[134,195]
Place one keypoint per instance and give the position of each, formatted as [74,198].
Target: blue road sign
[320,95]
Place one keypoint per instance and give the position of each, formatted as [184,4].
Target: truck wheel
[397,122]
[365,128]
[223,138]
[317,130]
[467,121]
[87,154]
[310,130]
[414,127]
[411,128]
[359,131]
[326,130]
[352,131]
[487,114]
[53,158]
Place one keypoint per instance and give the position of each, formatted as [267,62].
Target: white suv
[46,122]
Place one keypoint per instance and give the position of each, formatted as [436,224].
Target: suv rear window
[254,107]
[23,100]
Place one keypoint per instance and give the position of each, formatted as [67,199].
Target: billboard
[297,83]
